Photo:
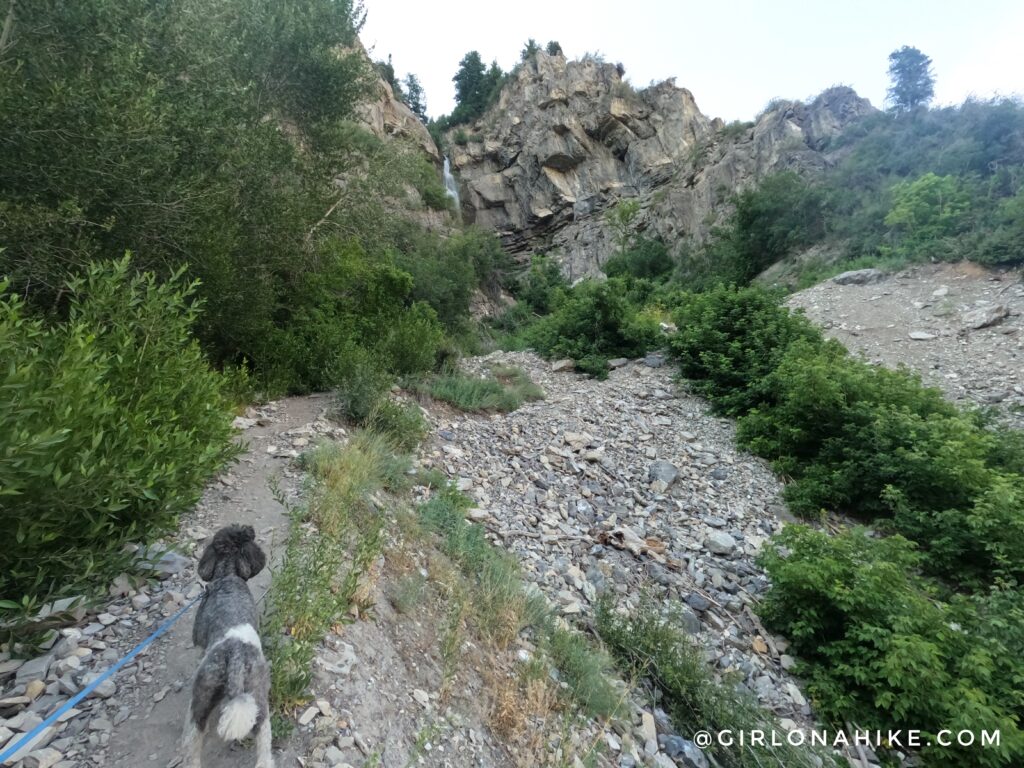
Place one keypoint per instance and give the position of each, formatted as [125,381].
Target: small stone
[106,619]
[787,661]
[759,645]
[720,543]
[421,696]
[333,756]
[618,362]
[663,471]
[35,689]
[307,717]
[345,742]
[921,336]
[795,695]
[140,601]
[33,669]
[983,317]
[565,364]
[43,758]
[697,602]
[104,690]
[647,727]
[654,360]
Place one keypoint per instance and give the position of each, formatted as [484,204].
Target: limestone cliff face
[386,116]
[569,139]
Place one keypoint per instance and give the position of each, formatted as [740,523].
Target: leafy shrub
[112,421]
[645,259]
[361,385]
[592,323]
[856,438]
[411,342]
[880,649]
[540,287]
[730,339]
[925,212]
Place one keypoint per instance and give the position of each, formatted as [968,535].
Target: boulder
[859,277]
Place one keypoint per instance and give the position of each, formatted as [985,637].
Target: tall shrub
[110,424]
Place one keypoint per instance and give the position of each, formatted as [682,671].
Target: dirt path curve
[149,737]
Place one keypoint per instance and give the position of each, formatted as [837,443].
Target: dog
[233,673]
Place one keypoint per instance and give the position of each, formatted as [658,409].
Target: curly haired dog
[233,673]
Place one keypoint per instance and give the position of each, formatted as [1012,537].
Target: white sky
[734,56]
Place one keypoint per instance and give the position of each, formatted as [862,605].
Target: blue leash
[95,683]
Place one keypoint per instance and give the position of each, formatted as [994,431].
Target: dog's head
[233,552]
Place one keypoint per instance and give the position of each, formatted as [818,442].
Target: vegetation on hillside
[216,144]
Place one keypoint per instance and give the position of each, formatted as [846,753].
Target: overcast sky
[734,56]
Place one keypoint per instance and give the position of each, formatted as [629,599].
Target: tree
[387,73]
[476,87]
[529,50]
[554,49]
[913,83]
[415,97]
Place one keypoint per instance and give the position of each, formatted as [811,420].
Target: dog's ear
[207,562]
[250,560]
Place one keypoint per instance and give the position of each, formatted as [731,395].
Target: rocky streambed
[629,486]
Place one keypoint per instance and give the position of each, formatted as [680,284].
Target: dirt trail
[150,735]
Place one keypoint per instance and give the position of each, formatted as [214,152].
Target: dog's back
[233,673]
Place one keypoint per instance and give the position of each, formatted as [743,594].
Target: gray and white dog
[233,673]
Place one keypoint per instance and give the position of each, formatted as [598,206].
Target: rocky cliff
[388,117]
[569,139]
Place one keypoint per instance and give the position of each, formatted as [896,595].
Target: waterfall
[449,183]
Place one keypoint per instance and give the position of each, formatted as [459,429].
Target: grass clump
[501,606]
[653,647]
[332,544]
[505,391]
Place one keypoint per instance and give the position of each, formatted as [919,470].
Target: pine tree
[415,97]
[913,83]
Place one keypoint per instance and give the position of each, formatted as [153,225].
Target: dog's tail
[239,713]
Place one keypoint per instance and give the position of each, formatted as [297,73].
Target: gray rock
[720,543]
[983,317]
[654,360]
[921,336]
[664,471]
[618,362]
[697,602]
[565,364]
[859,277]
[33,669]
[104,690]
[689,620]
[164,564]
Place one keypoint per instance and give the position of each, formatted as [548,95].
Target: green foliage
[476,88]
[730,339]
[542,285]
[553,48]
[529,50]
[415,97]
[592,323]
[880,649]
[412,340]
[112,422]
[925,212]
[360,386]
[645,259]
[402,424]
[857,438]
[653,646]
[913,83]
[507,390]
[584,669]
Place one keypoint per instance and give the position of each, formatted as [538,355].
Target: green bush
[645,259]
[540,288]
[411,341]
[880,649]
[361,385]
[730,339]
[592,323]
[111,423]
[402,424]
